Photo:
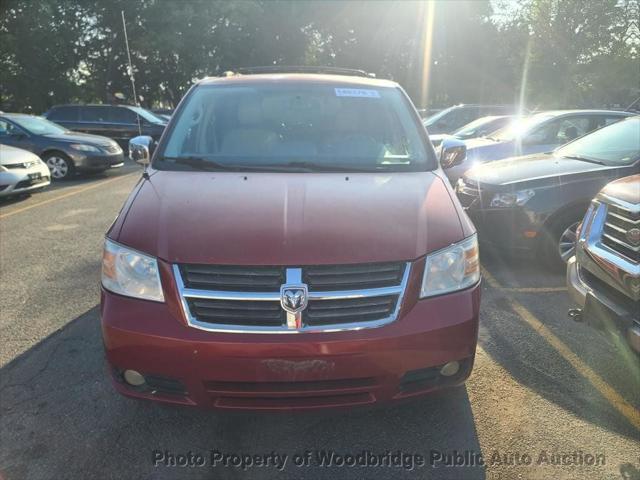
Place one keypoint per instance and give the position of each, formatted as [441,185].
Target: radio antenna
[145,174]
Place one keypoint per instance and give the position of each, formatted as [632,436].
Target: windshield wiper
[584,159]
[312,166]
[198,163]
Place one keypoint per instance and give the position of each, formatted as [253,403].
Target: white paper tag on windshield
[357,92]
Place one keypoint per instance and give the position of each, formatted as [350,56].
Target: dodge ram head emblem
[293,298]
[633,236]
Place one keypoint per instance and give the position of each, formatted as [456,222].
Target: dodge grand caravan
[292,244]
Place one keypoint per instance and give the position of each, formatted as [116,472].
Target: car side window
[122,115]
[7,129]
[603,121]
[64,114]
[94,114]
[560,131]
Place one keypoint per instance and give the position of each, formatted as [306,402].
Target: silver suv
[604,276]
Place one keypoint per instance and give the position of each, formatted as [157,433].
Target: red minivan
[292,244]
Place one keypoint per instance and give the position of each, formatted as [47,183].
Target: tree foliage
[549,53]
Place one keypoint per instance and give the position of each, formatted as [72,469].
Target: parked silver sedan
[21,172]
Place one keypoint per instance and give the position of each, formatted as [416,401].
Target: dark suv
[119,122]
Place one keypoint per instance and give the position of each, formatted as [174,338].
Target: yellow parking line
[612,396]
[68,194]
[534,289]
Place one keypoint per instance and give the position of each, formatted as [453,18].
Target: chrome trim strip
[275,296]
[185,293]
[615,227]
[620,242]
[625,219]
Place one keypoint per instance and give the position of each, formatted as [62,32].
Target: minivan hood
[289,218]
[77,137]
[537,167]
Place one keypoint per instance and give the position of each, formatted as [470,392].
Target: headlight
[510,199]
[84,148]
[131,273]
[453,268]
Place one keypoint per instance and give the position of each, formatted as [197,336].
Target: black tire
[556,248]
[60,165]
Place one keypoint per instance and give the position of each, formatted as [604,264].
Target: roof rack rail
[302,69]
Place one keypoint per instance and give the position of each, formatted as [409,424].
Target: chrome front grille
[618,232]
[240,299]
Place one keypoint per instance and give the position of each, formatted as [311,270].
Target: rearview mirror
[141,149]
[452,152]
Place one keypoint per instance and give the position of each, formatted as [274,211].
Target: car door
[94,119]
[125,125]
[67,116]
[555,132]
[13,135]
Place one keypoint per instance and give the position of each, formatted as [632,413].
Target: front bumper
[515,229]
[92,162]
[24,180]
[303,371]
[601,309]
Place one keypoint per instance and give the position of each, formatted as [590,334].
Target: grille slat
[348,277]
[325,312]
[618,222]
[240,312]
[232,278]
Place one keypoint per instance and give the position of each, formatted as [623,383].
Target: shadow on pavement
[60,418]
[533,363]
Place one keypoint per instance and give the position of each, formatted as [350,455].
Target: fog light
[133,378]
[450,369]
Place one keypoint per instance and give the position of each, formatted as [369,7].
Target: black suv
[119,122]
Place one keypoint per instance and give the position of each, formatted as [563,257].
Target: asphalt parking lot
[541,384]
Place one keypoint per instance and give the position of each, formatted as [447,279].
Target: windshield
[617,144]
[437,116]
[149,116]
[317,127]
[519,127]
[38,125]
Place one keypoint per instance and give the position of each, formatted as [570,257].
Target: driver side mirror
[452,152]
[141,149]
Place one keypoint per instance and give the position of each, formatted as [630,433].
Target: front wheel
[60,165]
[559,242]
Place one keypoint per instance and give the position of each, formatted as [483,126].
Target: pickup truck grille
[248,299]
[615,234]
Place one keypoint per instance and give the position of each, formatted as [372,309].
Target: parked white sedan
[21,172]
